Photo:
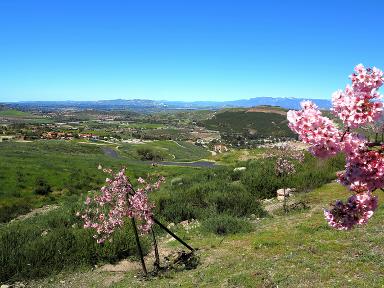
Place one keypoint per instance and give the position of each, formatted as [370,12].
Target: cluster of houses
[67,136]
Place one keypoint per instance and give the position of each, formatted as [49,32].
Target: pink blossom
[106,211]
[358,105]
[315,129]
[358,209]
[284,167]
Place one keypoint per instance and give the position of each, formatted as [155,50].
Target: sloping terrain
[294,250]
[259,122]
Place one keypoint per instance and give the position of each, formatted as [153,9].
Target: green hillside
[14,113]
[270,122]
[294,250]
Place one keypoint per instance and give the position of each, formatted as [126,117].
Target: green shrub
[205,198]
[221,190]
[46,244]
[42,187]
[146,153]
[226,224]
[9,212]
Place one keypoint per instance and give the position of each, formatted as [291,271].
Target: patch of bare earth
[104,276]
[38,211]
[267,110]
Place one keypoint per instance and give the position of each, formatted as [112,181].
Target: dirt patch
[38,211]
[266,110]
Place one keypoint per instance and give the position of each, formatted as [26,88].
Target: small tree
[285,164]
[118,201]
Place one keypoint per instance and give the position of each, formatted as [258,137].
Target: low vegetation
[252,124]
[45,244]
[290,250]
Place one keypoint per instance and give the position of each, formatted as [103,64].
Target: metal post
[139,246]
[172,234]
[157,257]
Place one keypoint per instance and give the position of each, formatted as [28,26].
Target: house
[6,138]
[220,148]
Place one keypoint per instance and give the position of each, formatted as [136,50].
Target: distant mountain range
[138,104]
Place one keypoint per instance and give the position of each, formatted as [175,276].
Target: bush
[206,198]
[226,224]
[221,190]
[49,243]
[9,212]
[146,153]
[42,187]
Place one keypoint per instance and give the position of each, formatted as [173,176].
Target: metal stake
[139,246]
[157,261]
[172,234]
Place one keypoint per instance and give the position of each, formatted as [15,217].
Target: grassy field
[67,168]
[294,250]
[14,113]
[170,150]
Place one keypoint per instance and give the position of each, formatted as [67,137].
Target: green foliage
[14,113]
[261,180]
[151,154]
[47,244]
[240,121]
[8,212]
[226,224]
[42,187]
[208,193]
[166,150]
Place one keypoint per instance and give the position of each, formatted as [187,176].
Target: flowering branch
[356,106]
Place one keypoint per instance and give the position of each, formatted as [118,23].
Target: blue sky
[184,50]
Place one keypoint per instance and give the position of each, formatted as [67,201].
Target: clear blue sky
[184,50]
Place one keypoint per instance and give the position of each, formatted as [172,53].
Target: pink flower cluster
[285,155]
[358,209]
[356,106]
[315,129]
[284,167]
[107,210]
[364,172]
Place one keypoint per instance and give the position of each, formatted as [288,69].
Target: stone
[239,169]
[288,193]
[184,223]
[170,225]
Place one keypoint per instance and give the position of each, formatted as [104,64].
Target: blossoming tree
[356,106]
[285,157]
[117,201]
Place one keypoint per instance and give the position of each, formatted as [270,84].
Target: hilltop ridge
[147,104]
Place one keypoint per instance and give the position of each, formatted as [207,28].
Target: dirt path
[38,211]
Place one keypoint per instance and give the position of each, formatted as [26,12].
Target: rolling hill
[261,121]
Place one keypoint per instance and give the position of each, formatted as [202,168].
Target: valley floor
[294,250]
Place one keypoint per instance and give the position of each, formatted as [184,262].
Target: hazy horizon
[179,51]
[161,100]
